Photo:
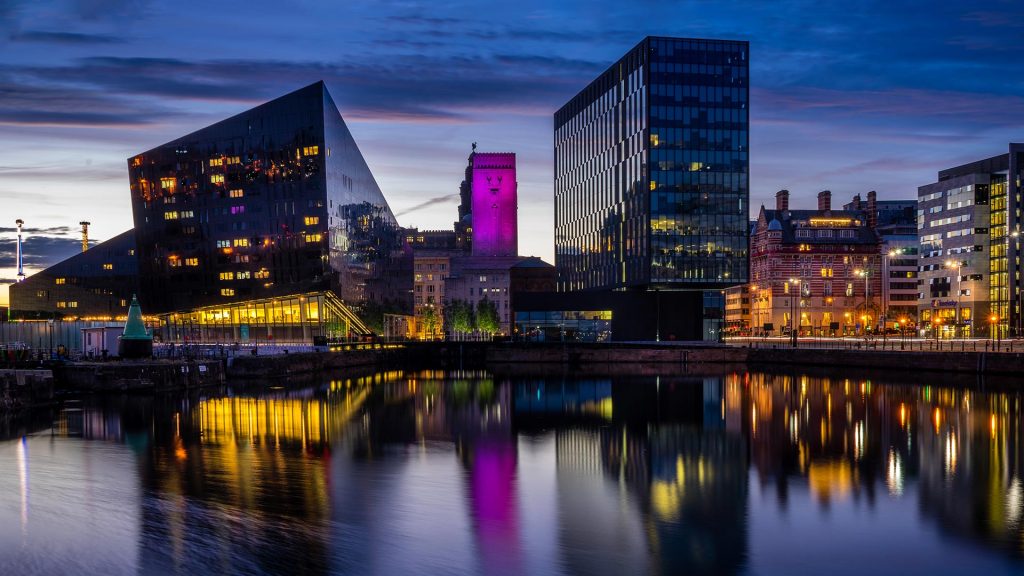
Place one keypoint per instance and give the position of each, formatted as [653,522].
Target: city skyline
[875,97]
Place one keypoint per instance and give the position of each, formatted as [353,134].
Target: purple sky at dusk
[849,97]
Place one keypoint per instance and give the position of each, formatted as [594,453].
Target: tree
[487,319]
[461,314]
[430,321]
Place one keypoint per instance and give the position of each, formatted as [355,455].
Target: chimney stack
[872,210]
[855,204]
[825,201]
[782,200]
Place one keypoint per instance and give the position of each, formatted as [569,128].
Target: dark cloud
[51,231]
[446,199]
[40,251]
[8,280]
[75,38]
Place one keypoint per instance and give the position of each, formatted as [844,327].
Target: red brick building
[819,269]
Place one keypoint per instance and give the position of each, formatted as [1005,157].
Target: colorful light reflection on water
[468,473]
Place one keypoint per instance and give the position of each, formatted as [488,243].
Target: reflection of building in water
[841,435]
[972,480]
[252,466]
[688,482]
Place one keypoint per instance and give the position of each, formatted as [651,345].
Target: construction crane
[21,259]
[85,235]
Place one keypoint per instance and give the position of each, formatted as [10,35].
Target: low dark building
[598,316]
[95,284]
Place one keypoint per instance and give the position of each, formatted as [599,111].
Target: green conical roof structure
[135,328]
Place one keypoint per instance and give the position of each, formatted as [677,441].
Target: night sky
[850,96]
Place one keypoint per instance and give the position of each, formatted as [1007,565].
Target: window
[262,273]
[168,183]
[826,272]
[311,220]
[849,288]
[223,243]
[191,261]
[62,304]
[170,215]
[240,242]
[243,275]
[42,293]
[72,304]
[313,237]
[108,266]
[173,261]
[59,281]
[232,160]
[227,275]
[227,292]
[216,161]
[310,150]
[236,193]
[216,178]
[238,209]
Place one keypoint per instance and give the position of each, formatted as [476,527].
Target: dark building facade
[274,202]
[652,172]
[95,284]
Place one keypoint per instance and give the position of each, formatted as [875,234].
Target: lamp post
[958,264]
[993,321]
[865,274]
[887,288]
[792,307]
[936,323]
[903,332]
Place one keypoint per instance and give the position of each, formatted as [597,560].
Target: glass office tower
[274,202]
[652,171]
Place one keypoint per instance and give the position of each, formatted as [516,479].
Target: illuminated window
[227,292]
[785,288]
[313,237]
[849,288]
[170,199]
[310,150]
[240,242]
[311,220]
[62,304]
[72,304]
[223,243]
[170,215]
[238,209]
[123,302]
[108,266]
[243,275]
[217,178]
[216,161]
[233,160]
[173,261]
[654,140]
[236,193]
[191,261]
[131,252]
[227,275]
[42,293]
[826,272]
[188,214]
[263,273]
[653,184]
[61,280]
[168,183]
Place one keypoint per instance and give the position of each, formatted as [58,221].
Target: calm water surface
[468,473]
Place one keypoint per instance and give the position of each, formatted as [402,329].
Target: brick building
[819,269]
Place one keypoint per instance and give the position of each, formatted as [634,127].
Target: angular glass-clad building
[651,171]
[272,203]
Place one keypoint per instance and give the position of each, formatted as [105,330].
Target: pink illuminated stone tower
[495,225]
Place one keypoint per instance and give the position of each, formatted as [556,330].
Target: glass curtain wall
[293,319]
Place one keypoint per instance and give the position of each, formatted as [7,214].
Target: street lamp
[993,321]
[958,264]
[903,333]
[792,308]
[936,323]
[865,274]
